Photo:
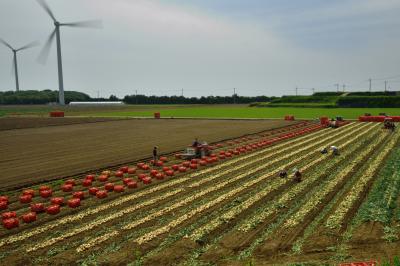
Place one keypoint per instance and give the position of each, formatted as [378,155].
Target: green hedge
[374,93]
[328,93]
[305,99]
[369,101]
[40,97]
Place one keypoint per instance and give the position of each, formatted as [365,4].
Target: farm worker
[155,154]
[283,174]
[297,175]
[335,150]
[324,150]
[195,143]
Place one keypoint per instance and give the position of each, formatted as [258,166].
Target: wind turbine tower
[15,61]
[56,33]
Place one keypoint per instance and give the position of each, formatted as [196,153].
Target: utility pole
[182,92]
[344,86]
[385,84]
[296,90]
[337,87]
[136,97]
[370,85]
[313,90]
[98,94]
[234,95]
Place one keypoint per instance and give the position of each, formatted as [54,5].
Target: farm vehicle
[333,123]
[197,151]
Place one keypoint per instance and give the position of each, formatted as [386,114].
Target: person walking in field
[155,155]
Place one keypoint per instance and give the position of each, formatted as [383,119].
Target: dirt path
[35,154]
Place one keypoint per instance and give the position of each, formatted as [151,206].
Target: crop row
[381,200]
[175,206]
[336,218]
[10,201]
[273,154]
[196,196]
[296,190]
[74,218]
[108,219]
[89,226]
[211,225]
[179,182]
[166,228]
[321,194]
[256,154]
[187,200]
[279,231]
[89,212]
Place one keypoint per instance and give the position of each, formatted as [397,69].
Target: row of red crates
[378,118]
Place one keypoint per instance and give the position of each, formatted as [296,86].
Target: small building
[97,103]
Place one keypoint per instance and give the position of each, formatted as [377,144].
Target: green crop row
[381,201]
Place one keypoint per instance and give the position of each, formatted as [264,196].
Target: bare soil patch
[8,123]
[38,154]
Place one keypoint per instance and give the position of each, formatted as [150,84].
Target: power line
[392,77]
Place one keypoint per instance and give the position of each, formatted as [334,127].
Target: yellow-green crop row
[335,219]
[81,215]
[256,169]
[320,195]
[75,218]
[231,214]
[164,229]
[101,221]
[215,187]
[294,191]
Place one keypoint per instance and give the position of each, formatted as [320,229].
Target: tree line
[49,96]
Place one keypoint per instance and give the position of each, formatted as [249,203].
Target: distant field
[199,111]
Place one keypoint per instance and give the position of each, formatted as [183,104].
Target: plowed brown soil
[36,154]
[7,123]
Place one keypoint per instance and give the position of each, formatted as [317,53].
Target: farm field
[195,111]
[57,151]
[229,208]
[8,123]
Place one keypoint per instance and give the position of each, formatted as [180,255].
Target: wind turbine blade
[46,48]
[47,9]
[6,44]
[95,24]
[29,45]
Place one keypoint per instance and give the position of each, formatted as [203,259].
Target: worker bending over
[283,174]
[296,175]
[324,150]
[335,150]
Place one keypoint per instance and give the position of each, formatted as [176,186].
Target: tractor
[199,151]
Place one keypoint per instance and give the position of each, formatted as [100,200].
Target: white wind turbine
[56,33]
[15,61]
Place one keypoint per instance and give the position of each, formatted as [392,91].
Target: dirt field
[7,123]
[44,153]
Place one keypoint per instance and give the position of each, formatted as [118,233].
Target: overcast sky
[206,47]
